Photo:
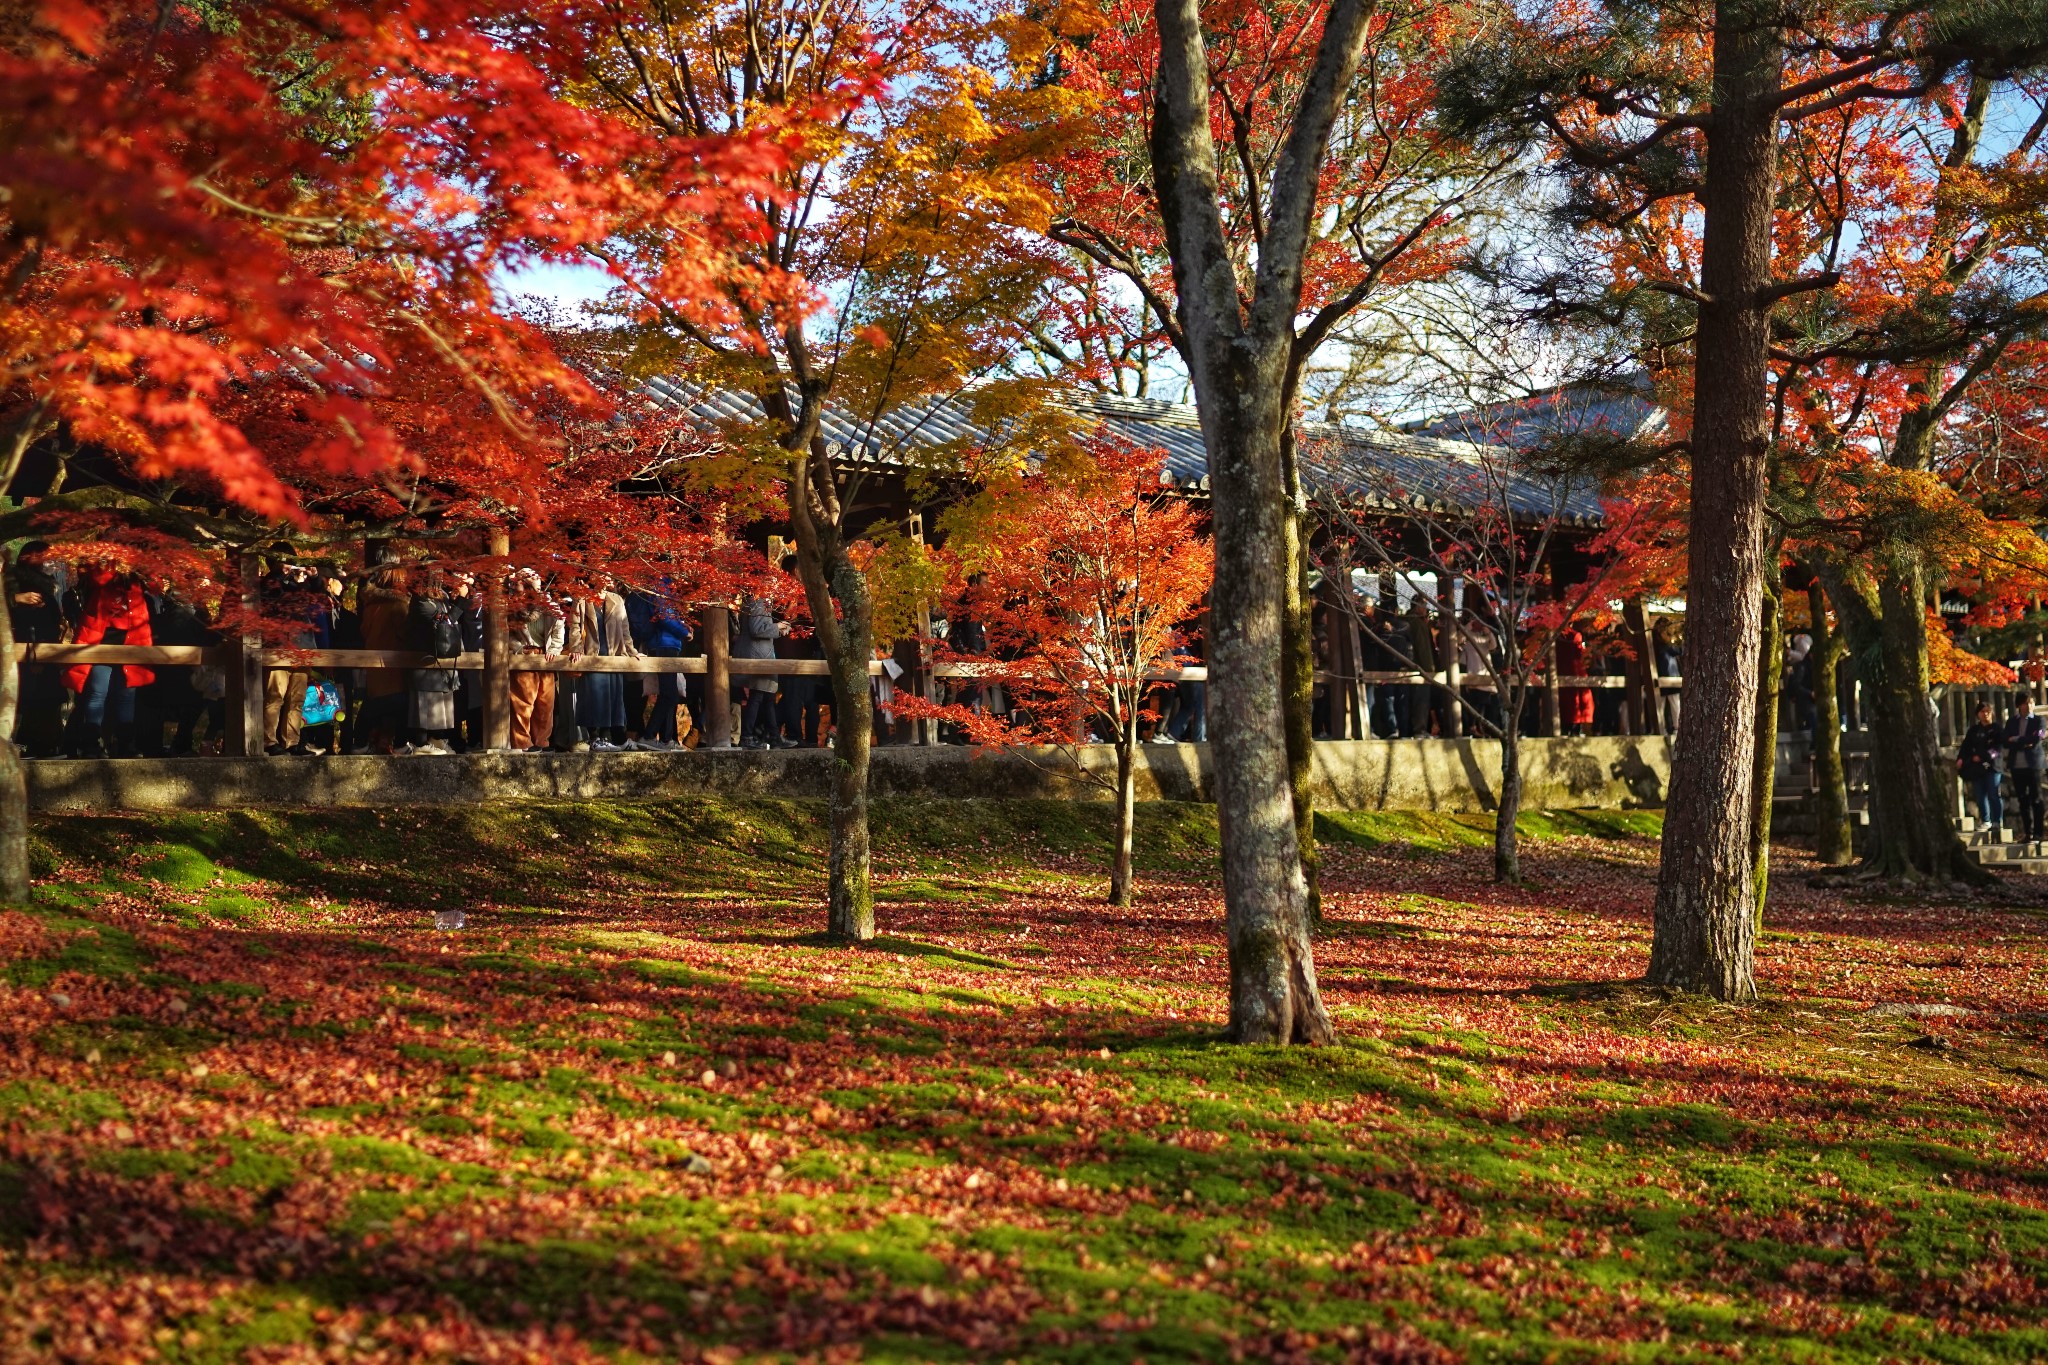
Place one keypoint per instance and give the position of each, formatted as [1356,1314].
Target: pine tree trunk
[1507,851]
[1705,921]
[13,773]
[1832,842]
[1764,764]
[1121,892]
[1298,681]
[1912,787]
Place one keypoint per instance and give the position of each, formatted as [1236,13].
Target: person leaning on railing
[469,688]
[660,631]
[759,631]
[434,627]
[1981,760]
[382,605]
[113,610]
[541,632]
[290,590]
[35,607]
[601,697]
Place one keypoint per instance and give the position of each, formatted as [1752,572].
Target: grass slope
[253,1106]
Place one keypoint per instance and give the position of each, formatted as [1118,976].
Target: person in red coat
[1574,704]
[113,610]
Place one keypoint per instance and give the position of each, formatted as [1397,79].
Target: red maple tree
[1080,586]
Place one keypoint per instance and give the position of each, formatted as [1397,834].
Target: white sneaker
[1162,739]
[433,747]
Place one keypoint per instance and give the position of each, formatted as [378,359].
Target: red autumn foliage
[257,268]
[1081,581]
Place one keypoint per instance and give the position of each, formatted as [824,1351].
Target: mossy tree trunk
[842,615]
[1121,892]
[1832,843]
[22,432]
[1507,852]
[1764,761]
[1913,835]
[1241,362]
[1298,683]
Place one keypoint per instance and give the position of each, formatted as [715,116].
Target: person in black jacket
[36,601]
[433,626]
[468,605]
[174,699]
[2023,731]
[1981,758]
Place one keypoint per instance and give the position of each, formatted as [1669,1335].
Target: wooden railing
[246,660]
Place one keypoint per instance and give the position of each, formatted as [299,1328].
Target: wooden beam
[244,667]
[497,652]
[717,663]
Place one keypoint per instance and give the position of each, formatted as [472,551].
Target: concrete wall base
[1434,775]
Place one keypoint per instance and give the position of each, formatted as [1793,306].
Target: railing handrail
[290,656]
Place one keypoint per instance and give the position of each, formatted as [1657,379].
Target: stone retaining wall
[1440,775]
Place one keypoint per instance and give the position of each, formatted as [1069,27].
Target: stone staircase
[2006,857]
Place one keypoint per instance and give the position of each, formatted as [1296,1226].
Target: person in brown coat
[382,605]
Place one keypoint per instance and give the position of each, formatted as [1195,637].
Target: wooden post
[244,660]
[1357,720]
[1454,660]
[924,682]
[1644,696]
[718,677]
[497,651]
[1550,700]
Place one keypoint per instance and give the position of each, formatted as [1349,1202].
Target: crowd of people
[1415,641]
[397,605]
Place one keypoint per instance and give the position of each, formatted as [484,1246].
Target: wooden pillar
[1357,722]
[1643,696]
[244,660]
[1551,711]
[497,650]
[1454,656]
[924,683]
[718,677]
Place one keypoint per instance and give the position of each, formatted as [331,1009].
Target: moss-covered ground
[255,1105]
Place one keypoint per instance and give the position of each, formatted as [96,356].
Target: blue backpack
[323,703]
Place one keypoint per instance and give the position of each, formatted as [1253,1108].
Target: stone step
[2010,858]
[2025,867]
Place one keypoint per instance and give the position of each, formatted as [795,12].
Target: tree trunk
[13,772]
[850,903]
[843,620]
[1832,841]
[1764,764]
[1120,889]
[1273,993]
[1705,925]
[1507,850]
[1912,787]
[1298,684]
[1239,362]
[28,427]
